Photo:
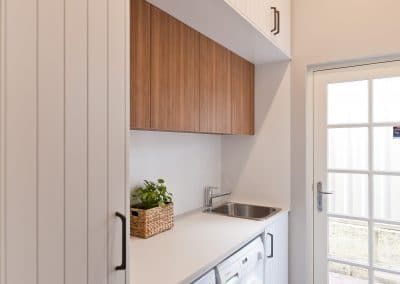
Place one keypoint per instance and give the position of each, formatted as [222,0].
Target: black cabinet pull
[278,20]
[272,245]
[123,221]
[275,25]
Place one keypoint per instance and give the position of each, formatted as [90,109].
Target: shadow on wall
[257,168]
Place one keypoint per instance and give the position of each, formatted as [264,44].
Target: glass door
[357,175]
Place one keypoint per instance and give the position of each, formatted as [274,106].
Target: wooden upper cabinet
[215,87]
[174,74]
[183,81]
[140,64]
[242,82]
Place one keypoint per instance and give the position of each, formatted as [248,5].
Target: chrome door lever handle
[319,189]
[320,192]
[325,192]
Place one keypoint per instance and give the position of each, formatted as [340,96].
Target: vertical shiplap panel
[64,132]
[117,131]
[97,175]
[2,144]
[76,142]
[21,142]
[127,96]
[50,141]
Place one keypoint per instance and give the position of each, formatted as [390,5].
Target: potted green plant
[151,209]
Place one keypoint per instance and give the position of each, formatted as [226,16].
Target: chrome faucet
[209,195]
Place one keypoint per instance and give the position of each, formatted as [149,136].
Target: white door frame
[309,146]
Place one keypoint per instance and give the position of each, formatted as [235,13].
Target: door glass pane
[346,274]
[350,194]
[387,197]
[386,278]
[348,102]
[387,246]
[386,96]
[348,148]
[348,240]
[386,150]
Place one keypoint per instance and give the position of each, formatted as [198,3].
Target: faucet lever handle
[208,195]
[211,188]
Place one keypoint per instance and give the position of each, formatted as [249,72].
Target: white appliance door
[233,280]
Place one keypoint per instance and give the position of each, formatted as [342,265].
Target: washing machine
[208,278]
[246,266]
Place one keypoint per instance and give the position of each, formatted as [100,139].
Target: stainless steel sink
[245,211]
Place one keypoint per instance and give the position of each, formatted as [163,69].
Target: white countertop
[197,243]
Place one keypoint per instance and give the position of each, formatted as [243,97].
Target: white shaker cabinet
[269,17]
[276,251]
[255,11]
[280,24]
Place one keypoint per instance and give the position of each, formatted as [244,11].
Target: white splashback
[188,162]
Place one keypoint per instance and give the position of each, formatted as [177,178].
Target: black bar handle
[272,245]
[278,19]
[123,221]
[275,26]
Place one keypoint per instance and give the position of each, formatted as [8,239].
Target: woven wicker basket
[150,222]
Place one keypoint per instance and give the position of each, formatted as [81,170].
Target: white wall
[188,162]
[257,168]
[329,31]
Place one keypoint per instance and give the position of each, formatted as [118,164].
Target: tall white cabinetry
[276,251]
[269,17]
[63,124]
[280,21]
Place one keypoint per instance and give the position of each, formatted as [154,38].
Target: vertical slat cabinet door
[50,157]
[2,145]
[97,141]
[20,184]
[282,36]
[76,143]
[118,98]
[64,92]
[174,74]
[215,87]
[265,17]
[140,64]
[242,79]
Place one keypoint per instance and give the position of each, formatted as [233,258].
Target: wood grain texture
[140,64]
[242,80]
[215,87]
[174,74]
